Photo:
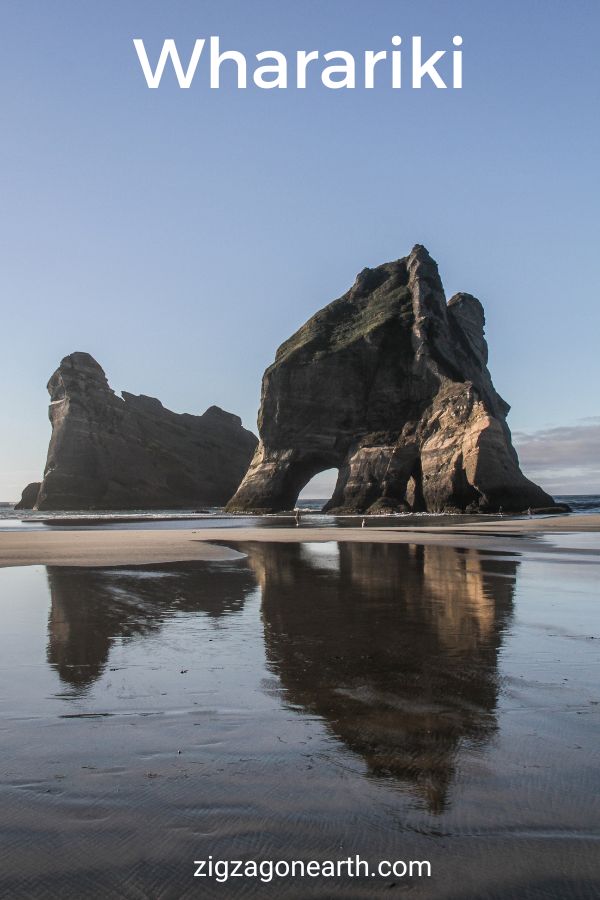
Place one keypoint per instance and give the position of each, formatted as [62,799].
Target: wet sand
[94,548]
[108,548]
[305,701]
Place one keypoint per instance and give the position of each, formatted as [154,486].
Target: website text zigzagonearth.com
[265,870]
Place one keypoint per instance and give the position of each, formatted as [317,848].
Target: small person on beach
[297,516]
[500,513]
[363,523]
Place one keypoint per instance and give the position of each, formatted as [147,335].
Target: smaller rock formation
[29,496]
[110,452]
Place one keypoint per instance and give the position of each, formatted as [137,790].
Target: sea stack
[29,496]
[389,384]
[130,452]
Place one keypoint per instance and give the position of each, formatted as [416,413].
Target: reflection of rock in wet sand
[395,646]
[93,607]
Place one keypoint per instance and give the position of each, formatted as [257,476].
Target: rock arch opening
[320,487]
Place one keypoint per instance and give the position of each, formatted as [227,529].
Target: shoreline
[145,547]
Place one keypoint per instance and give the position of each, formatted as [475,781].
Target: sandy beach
[138,547]
[301,693]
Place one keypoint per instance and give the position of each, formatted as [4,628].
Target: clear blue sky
[180,236]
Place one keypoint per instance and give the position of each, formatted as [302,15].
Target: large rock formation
[129,452]
[390,385]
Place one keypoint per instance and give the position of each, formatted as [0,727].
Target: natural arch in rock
[390,385]
[320,487]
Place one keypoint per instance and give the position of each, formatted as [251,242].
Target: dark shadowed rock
[29,496]
[108,452]
[390,385]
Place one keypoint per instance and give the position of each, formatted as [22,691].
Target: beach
[303,694]
[122,547]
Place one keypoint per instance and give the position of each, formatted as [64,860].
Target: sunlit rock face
[130,452]
[389,384]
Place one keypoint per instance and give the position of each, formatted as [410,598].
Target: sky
[179,236]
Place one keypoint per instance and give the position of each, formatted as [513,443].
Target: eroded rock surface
[129,452]
[390,385]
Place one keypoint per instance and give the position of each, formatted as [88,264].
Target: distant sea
[12,520]
[580,503]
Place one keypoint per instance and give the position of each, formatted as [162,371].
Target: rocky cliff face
[390,385]
[108,452]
